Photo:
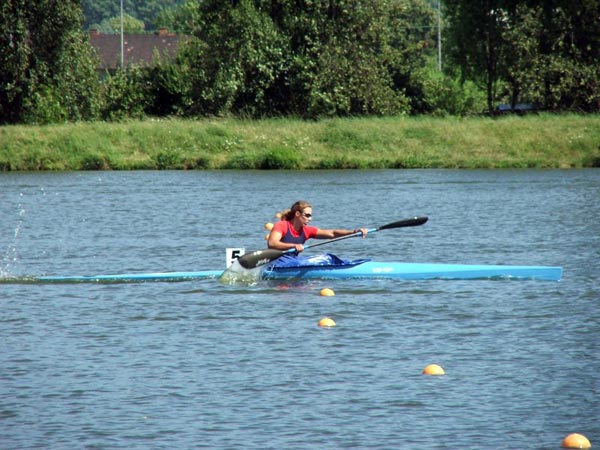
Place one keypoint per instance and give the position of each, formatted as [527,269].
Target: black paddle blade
[259,258]
[413,222]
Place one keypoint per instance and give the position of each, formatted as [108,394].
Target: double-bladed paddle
[261,257]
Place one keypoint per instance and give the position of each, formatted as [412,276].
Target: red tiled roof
[138,49]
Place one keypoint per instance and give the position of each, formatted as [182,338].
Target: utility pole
[122,53]
[439,34]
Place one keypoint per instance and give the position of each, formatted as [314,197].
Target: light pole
[122,54]
[439,34]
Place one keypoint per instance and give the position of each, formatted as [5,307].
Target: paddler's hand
[363,232]
[299,248]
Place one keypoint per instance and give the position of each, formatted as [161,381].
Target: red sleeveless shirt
[289,235]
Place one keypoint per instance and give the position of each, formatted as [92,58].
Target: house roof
[138,49]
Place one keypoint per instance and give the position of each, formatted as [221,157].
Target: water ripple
[206,365]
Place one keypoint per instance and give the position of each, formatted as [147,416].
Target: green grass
[535,141]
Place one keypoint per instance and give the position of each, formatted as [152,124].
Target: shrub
[168,159]
[279,159]
[94,162]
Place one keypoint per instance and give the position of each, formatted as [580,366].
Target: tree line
[309,59]
[99,14]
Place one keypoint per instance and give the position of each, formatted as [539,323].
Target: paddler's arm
[275,242]
[331,234]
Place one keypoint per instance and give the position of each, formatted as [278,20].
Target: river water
[201,364]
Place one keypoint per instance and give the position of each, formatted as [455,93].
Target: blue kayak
[418,271]
[364,270]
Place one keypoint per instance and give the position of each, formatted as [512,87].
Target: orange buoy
[326,322]
[433,369]
[576,440]
[326,292]
[268,226]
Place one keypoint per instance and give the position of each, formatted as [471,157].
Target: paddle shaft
[401,223]
[260,257]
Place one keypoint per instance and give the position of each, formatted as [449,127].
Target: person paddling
[293,230]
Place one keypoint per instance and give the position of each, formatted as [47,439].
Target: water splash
[236,274]
[11,255]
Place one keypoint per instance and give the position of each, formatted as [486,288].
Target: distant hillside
[97,11]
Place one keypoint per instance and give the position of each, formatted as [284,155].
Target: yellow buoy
[268,226]
[326,292]
[433,369]
[326,322]
[576,440]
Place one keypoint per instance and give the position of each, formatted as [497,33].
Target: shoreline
[543,141]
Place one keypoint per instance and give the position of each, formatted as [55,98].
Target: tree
[181,18]
[234,59]
[341,57]
[98,11]
[476,38]
[523,37]
[50,68]
[348,59]
[570,47]
[130,24]
[14,60]
[543,52]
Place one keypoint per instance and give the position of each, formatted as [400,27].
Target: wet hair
[300,205]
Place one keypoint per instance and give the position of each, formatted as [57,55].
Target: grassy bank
[536,141]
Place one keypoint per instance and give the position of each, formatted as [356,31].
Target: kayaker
[293,230]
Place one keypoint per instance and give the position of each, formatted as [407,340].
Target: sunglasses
[308,216]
